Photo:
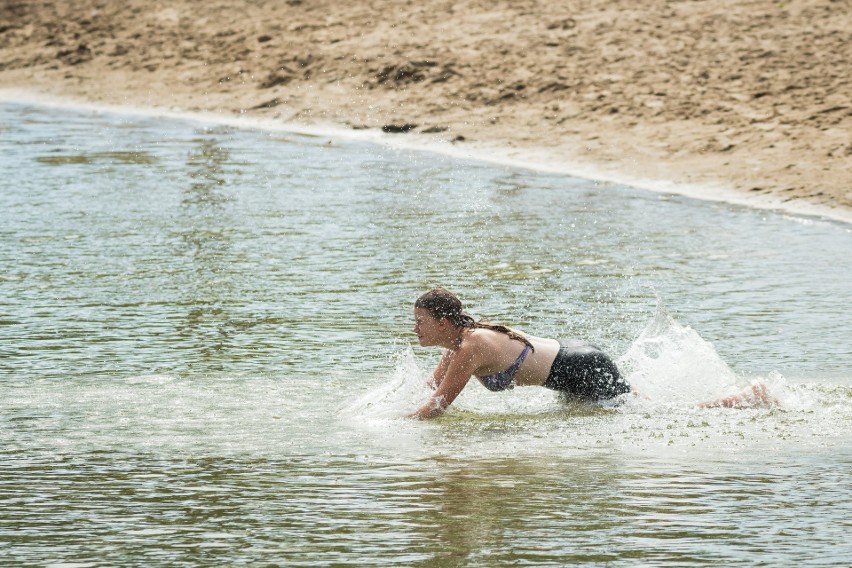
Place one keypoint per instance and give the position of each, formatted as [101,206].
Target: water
[205,356]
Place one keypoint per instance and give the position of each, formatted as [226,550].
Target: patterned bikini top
[505,380]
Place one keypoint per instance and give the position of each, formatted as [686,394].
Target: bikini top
[505,380]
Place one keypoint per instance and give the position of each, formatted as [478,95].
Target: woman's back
[499,351]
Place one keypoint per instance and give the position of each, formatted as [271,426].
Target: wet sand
[742,101]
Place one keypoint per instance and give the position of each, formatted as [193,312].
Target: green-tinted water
[205,355]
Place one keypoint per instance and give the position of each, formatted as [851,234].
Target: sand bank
[743,101]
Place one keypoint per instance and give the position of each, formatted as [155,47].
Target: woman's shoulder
[475,341]
[485,340]
[498,336]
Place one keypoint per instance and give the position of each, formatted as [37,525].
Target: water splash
[672,363]
[669,364]
[403,392]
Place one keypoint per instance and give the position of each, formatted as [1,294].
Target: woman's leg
[756,395]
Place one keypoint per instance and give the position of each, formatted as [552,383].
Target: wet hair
[443,304]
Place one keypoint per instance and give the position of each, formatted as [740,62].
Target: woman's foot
[755,396]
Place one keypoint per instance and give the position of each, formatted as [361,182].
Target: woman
[501,357]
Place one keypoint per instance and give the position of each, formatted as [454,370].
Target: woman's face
[428,329]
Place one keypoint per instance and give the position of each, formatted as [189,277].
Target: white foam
[150,379]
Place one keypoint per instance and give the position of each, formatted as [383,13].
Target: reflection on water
[205,352]
[109,157]
[206,167]
[320,512]
[205,230]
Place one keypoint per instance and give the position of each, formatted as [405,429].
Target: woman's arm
[459,368]
[440,370]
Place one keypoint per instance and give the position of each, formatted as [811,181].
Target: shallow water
[205,357]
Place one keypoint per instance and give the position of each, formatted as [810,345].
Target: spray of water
[403,392]
[669,364]
[672,364]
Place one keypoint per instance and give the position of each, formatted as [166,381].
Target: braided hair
[443,304]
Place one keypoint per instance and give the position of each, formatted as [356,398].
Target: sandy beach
[736,100]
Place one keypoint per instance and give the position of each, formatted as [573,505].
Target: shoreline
[492,153]
[743,102]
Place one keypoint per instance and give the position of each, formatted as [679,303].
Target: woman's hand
[431,409]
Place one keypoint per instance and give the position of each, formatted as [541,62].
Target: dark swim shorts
[584,371]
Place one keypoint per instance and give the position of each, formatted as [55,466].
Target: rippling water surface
[205,358]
